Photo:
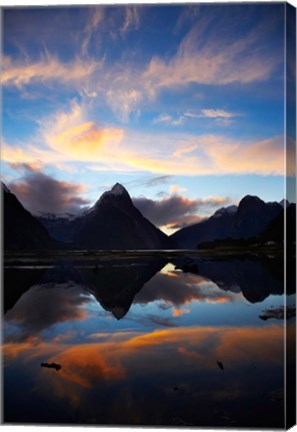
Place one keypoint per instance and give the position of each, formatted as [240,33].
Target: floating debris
[220,364]
[51,366]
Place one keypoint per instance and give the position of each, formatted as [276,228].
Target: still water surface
[177,342]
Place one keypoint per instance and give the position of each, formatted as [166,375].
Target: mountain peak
[284,203]
[118,189]
[251,202]
[251,198]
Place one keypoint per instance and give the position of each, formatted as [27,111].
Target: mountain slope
[21,229]
[274,231]
[247,220]
[114,223]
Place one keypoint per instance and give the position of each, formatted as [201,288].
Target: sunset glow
[94,95]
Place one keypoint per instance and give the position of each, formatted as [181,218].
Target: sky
[182,104]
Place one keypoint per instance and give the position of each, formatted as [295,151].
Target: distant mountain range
[112,223]
[115,223]
[253,218]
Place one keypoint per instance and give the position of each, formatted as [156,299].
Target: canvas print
[149,215]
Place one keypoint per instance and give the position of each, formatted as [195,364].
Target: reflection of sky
[170,299]
[157,365]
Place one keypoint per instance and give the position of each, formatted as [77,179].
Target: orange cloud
[180,312]
[70,135]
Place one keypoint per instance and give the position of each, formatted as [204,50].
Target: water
[145,341]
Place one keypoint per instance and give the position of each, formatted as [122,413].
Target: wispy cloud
[218,113]
[180,119]
[126,84]
[132,19]
[168,119]
[95,19]
[48,68]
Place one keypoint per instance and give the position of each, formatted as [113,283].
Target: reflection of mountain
[21,229]
[256,279]
[16,282]
[248,220]
[116,287]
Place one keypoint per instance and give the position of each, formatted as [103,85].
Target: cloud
[69,135]
[230,54]
[95,19]
[168,119]
[219,59]
[217,113]
[48,68]
[175,209]
[212,61]
[131,21]
[39,192]
[176,188]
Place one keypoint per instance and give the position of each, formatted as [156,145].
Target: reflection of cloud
[179,289]
[180,311]
[41,307]
[141,371]
[40,192]
[84,363]
[152,320]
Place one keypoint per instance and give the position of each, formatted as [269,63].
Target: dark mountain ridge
[21,229]
[249,219]
[113,222]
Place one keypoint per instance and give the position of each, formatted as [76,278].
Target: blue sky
[184,105]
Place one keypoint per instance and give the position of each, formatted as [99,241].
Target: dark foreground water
[144,341]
